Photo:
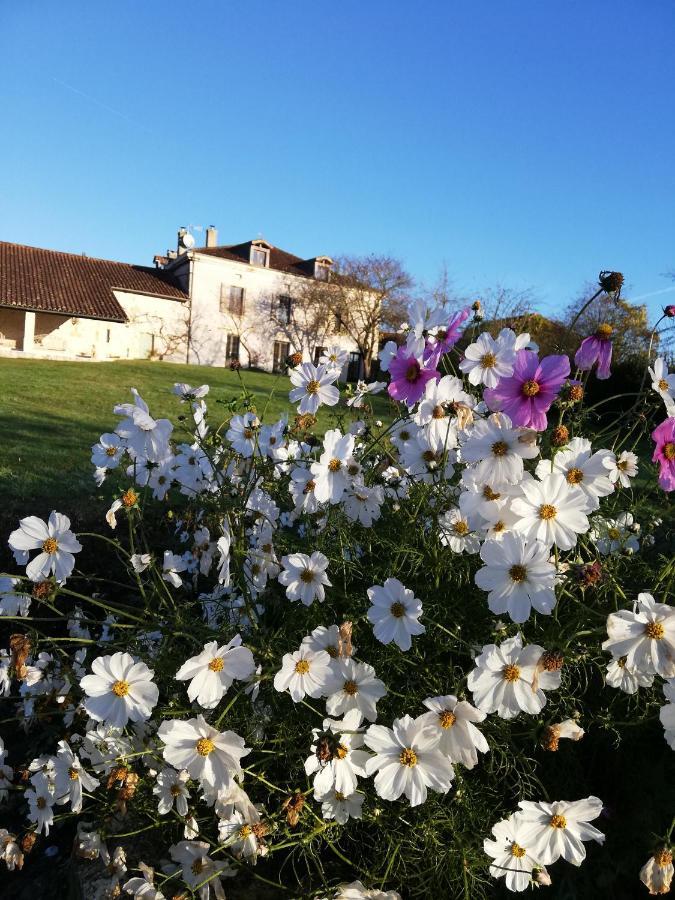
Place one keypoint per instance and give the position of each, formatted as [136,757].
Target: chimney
[211,236]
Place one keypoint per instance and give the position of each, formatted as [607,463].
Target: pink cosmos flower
[664,453]
[527,395]
[445,338]
[596,348]
[408,377]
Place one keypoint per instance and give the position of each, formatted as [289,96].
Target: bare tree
[302,313]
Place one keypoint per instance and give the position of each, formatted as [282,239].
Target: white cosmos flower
[107,453]
[657,873]
[646,637]
[187,393]
[70,778]
[341,807]
[663,383]
[240,837]
[212,671]
[407,761]
[622,468]
[625,679]
[334,357]
[551,511]
[199,869]
[40,803]
[436,411]
[614,535]
[364,389]
[242,434]
[487,360]
[211,757]
[354,687]
[140,562]
[457,532]
[119,690]
[513,859]
[313,386]
[304,577]
[143,888]
[13,603]
[56,543]
[328,639]
[454,720]
[558,829]
[336,758]
[507,679]
[172,564]
[356,891]
[363,504]
[667,712]
[171,788]
[518,576]
[498,449]
[305,672]
[581,468]
[395,612]
[330,474]
[147,437]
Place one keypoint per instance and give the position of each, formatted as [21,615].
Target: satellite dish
[187,241]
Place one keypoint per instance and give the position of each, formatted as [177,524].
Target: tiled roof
[279,259]
[51,281]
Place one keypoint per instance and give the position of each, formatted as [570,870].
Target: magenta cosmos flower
[408,377]
[596,348]
[664,453]
[527,395]
[445,338]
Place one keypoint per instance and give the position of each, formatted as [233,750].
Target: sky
[528,144]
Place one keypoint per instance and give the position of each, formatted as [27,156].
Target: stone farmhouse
[208,305]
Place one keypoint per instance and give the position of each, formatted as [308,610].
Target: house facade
[211,305]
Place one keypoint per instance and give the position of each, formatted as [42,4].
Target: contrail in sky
[655,293]
[105,106]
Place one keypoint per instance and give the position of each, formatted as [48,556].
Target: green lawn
[52,412]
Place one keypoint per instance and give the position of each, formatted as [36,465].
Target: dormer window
[260,255]
[322,266]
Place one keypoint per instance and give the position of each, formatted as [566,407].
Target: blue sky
[526,143]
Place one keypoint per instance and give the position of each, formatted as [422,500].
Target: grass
[52,412]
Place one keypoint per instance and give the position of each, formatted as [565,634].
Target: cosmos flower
[454,720]
[305,672]
[119,690]
[513,858]
[395,613]
[212,671]
[336,759]
[409,377]
[663,382]
[354,687]
[199,869]
[498,449]
[558,829]
[622,468]
[341,807]
[334,357]
[243,434]
[171,788]
[518,576]
[526,395]
[627,680]
[313,386]
[551,511]
[70,777]
[646,637]
[444,337]
[147,437]
[596,348]
[582,468]
[330,474]
[664,453]
[304,577]
[56,543]
[211,757]
[488,360]
[143,887]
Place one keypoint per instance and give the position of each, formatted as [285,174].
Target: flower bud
[611,282]
[560,436]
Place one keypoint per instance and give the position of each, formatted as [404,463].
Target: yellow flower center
[558,822]
[546,512]
[307,576]
[574,476]
[341,751]
[498,527]
[248,433]
[217,664]
[120,688]
[488,360]
[663,858]
[663,385]
[175,790]
[489,494]
[50,545]
[413,373]
[397,610]
[302,667]
[614,533]
[351,688]
[531,389]
[460,528]
[73,774]
[332,651]
[408,758]
[245,830]
[197,867]
[334,465]
[518,573]
[204,746]
[622,465]
[604,332]
[655,631]
[669,450]
[338,796]
[40,802]
[129,498]
[313,386]
[511,672]
[447,719]
[500,448]
[110,451]
[517,850]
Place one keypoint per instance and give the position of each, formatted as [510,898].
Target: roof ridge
[84,256]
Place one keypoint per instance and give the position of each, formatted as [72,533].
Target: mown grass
[52,412]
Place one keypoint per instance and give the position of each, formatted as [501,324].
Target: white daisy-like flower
[336,759]
[171,788]
[211,757]
[330,474]
[518,576]
[147,437]
[334,357]
[513,859]
[394,613]
[40,803]
[457,532]
[328,639]
[663,382]
[509,678]
[304,577]
[581,468]
[119,690]
[241,837]
[657,873]
[621,468]
[362,390]
[304,673]
[498,449]
[13,603]
[487,360]
[55,541]
[614,535]
[341,807]
[667,713]
[212,671]
[354,687]
[551,511]
[70,777]
[558,829]
[454,720]
[627,680]
[313,386]
[407,761]
[363,504]
[200,873]
[107,452]
[143,888]
[172,564]
[646,637]
[189,394]
[356,891]
[437,410]
[242,434]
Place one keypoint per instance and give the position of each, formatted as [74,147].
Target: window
[285,305]
[354,367]
[282,350]
[318,353]
[232,348]
[259,255]
[321,271]
[232,299]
